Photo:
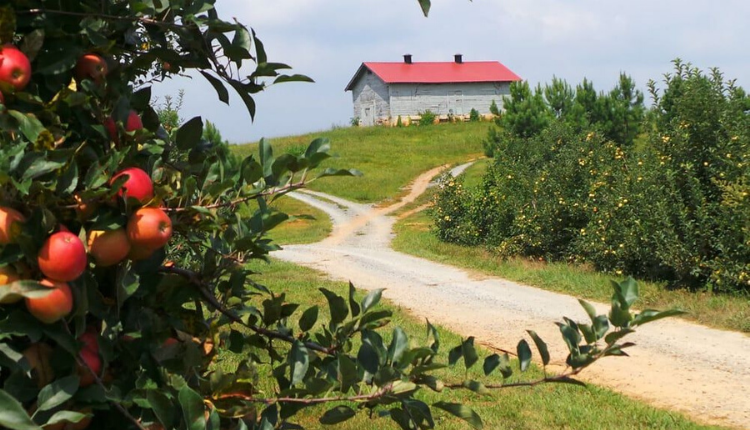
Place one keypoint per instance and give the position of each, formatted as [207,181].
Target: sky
[537,39]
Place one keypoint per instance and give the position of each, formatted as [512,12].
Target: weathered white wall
[442,99]
[370,97]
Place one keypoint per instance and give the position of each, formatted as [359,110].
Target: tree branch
[195,280]
[384,391]
[566,377]
[82,363]
[285,188]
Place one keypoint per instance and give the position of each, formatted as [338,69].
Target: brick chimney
[407,58]
[458,58]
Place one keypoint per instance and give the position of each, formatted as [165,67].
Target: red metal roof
[438,72]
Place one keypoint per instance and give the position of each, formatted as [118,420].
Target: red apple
[138,185]
[54,306]
[15,68]
[134,122]
[108,247]
[149,228]
[62,257]
[91,66]
[92,360]
[8,275]
[10,224]
[111,127]
[90,341]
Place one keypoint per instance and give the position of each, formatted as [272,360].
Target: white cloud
[328,39]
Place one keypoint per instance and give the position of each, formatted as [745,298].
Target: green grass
[414,236]
[389,158]
[309,224]
[543,407]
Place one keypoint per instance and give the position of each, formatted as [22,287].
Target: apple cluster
[63,256]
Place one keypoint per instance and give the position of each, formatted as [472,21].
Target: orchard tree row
[125,301]
[617,114]
[588,178]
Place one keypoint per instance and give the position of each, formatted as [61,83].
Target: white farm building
[383,91]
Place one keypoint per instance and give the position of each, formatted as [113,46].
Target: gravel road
[678,365]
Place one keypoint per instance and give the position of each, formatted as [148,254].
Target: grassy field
[389,158]
[366,149]
[543,407]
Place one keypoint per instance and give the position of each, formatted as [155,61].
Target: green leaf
[371,299]
[162,407]
[12,414]
[628,290]
[66,416]
[68,179]
[57,392]
[308,318]
[540,346]
[588,308]
[189,134]
[420,412]
[347,373]
[299,361]
[219,87]
[425,5]
[619,316]
[243,92]
[353,305]
[461,411]
[28,124]
[13,356]
[40,167]
[469,352]
[524,354]
[399,344]
[337,414]
[337,306]
[454,354]
[650,315]
[266,157]
[432,331]
[31,289]
[490,364]
[601,326]
[505,368]
[367,357]
[192,408]
[570,336]
[293,78]
[476,387]
[339,172]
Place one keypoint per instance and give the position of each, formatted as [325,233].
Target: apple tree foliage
[181,334]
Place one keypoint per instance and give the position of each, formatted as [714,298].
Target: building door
[367,117]
[458,103]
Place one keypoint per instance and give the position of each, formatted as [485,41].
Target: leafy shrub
[427,118]
[474,115]
[355,121]
[494,110]
[399,123]
[674,208]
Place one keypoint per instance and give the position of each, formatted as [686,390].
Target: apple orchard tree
[124,298]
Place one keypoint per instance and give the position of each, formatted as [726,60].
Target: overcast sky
[572,39]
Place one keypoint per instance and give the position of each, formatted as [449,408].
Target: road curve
[699,371]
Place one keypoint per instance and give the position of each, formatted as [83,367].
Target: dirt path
[702,372]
